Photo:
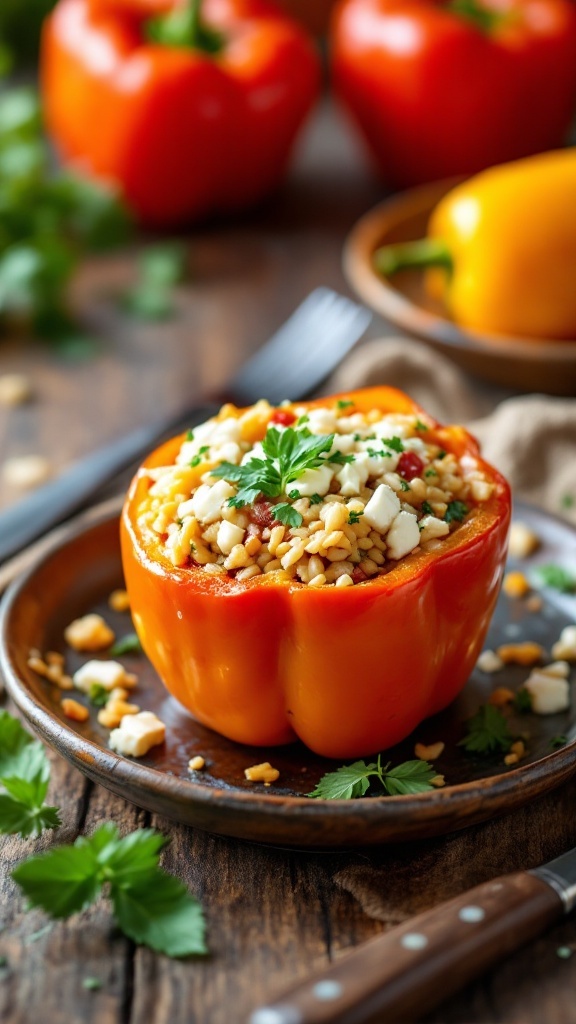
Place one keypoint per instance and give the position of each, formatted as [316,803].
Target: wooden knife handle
[417,965]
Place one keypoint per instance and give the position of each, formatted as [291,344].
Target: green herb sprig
[557,577]
[150,906]
[455,512]
[129,644]
[353,780]
[24,778]
[488,731]
[287,455]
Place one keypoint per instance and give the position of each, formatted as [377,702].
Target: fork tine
[304,351]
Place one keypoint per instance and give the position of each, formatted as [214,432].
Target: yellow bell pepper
[501,249]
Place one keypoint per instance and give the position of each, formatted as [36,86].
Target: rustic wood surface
[273,915]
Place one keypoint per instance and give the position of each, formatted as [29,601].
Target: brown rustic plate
[523,363]
[78,575]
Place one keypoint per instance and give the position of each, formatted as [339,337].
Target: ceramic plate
[526,364]
[78,575]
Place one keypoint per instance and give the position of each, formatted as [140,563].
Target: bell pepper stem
[184,26]
[426,252]
[475,12]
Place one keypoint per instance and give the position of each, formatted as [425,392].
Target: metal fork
[293,363]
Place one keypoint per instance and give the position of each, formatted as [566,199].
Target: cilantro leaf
[455,512]
[427,508]
[287,514]
[129,644]
[557,577]
[353,781]
[18,818]
[346,783]
[62,881]
[24,775]
[409,777]
[395,443]
[159,912]
[487,731]
[127,859]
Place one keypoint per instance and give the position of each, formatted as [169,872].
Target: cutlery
[293,363]
[413,967]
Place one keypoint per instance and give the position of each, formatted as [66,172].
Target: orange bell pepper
[188,112]
[349,671]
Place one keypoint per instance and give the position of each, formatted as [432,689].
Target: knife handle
[417,965]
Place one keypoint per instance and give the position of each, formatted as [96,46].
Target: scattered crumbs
[91,984]
[526,653]
[515,584]
[438,781]
[523,541]
[429,752]
[262,773]
[15,389]
[489,662]
[534,603]
[74,710]
[564,952]
[26,471]
[89,633]
[501,696]
[119,601]
[196,764]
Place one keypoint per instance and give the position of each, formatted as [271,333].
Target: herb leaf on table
[24,777]
[352,781]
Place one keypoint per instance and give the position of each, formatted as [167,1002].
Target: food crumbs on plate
[195,764]
[89,633]
[515,584]
[15,389]
[549,693]
[262,773]
[511,759]
[26,471]
[438,781]
[138,734]
[522,541]
[430,752]
[113,712]
[119,601]
[534,603]
[526,653]
[489,662]
[565,647]
[518,748]
[501,696]
[74,710]
[107,674]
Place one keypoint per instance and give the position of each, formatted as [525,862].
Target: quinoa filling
[328,496]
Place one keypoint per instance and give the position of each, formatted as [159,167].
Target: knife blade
[418,964]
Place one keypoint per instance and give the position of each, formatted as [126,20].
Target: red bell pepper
[448,87]
[189,112]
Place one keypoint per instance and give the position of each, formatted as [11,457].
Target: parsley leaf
[427,508]
[455,512]
[287,455]
[24,776]
[98,695]
[354,517]
[315,499]
[395,443]
[150,906]
[558,741]
[487,731]
[287,514]
[340,459]
[344,403]
[353,780]
[128,644]
[160,269]
[522,700]
[420,426]
[406,487]
[557,577]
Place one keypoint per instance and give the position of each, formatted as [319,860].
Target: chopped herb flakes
[354,517]
[455,512]
[344,403]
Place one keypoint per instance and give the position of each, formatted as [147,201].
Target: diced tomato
[358,574]
[284,417]
[262,513]
[409,465]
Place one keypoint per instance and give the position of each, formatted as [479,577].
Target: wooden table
[273,915]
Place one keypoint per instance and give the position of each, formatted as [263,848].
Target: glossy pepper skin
[182,131]
[440,88]
[349,671]
[506,244]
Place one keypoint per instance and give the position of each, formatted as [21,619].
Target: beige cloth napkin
[530,438]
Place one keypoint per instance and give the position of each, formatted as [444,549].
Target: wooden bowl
[526,364]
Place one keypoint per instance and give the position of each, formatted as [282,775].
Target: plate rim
[97,761]
[390,302]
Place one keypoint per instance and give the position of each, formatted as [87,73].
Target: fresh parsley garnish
[455,512]
[98,695]
[441,454]
[302,420]
[558,741]
[151,907]
[405,486]
[24,778]
[128,644]
[287,455]
[395,443]
[189,435]
[420,426]
[354,517]
[287,514]
[294,495]
[344,403]
[160,269]
[557,577]
[340,459]
[427,508]
[431,472]
[197,459]
[315,499]
[353,780]
[487,731]
[522,700]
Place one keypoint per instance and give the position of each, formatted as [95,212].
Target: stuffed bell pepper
[189,108]
[325,571]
